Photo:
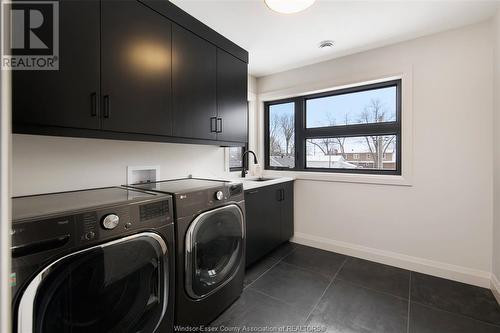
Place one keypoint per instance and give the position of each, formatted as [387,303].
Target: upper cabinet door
[194,85]
[67,97]
[232,95]
[136,69]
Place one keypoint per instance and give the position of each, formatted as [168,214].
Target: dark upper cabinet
[136,69]
[269,219]
[66,97]
[232,92]
[194,75]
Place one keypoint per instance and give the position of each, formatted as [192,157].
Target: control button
[219,195]
[128,225]
[89,235]
[110,221]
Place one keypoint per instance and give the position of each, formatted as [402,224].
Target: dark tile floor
[298,285]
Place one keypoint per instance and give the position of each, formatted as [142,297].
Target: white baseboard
[495,287]
[435,268]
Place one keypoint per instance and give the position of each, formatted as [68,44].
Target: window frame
[354,130]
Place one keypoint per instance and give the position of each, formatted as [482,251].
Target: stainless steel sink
[262,179]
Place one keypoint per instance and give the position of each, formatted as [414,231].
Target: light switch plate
[142,174]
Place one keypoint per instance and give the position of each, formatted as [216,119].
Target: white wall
[442,224]
[44,164]
[252,85]
[496,231]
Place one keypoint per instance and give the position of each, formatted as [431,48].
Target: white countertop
[249,184]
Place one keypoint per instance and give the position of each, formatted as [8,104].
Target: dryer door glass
[214,250]
[118,287]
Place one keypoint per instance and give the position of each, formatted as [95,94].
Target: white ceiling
[278,42]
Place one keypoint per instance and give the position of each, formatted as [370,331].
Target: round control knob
[110,221]
[219,195]
[89,235]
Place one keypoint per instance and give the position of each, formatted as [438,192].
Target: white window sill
[342,177]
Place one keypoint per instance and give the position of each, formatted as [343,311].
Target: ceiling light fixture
[288,6]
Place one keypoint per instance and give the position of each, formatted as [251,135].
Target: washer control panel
[115,221]
[110,221]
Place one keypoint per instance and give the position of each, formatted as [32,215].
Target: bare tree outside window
[287,125]
[273,136]
[282,135]
[375,112]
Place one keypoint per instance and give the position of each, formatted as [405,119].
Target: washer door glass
[214,250]
[119,287]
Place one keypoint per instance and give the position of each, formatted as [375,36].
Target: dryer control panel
[193,202]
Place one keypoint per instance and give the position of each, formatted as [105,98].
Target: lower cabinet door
[263,210]
[287,212]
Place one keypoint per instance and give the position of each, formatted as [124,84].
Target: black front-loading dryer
[99,261]
[210,240]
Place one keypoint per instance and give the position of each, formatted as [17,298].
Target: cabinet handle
[93,101]
[219,128]
[107,107]
[281,194]
[213,125]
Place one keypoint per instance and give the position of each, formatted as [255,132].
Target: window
[282,135]
[235,158]
[356,130]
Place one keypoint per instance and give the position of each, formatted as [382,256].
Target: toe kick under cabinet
[269,219]
[136,70]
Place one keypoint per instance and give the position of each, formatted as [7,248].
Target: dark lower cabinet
[269,219]
[194,85]
[286,211]
[136,69]
[67,97]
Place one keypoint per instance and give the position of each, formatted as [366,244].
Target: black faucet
[245,170]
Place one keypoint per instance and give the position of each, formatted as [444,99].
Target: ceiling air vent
[326,44]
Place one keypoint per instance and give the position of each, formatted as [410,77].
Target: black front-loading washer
[210,240]
[99,261]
